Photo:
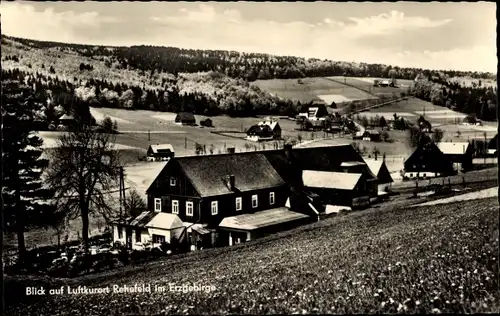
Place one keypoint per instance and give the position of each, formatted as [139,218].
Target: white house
[149,229]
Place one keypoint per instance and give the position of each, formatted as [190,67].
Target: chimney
[230,180]
[230,150]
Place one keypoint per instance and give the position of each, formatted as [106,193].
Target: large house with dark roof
[427,161]
[231,198]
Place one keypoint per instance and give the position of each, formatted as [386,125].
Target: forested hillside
[204,81]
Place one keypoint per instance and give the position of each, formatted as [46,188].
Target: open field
[366,83]
[441,258]
[312,89]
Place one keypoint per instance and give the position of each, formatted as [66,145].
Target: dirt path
[482,194]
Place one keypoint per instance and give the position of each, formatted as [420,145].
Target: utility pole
[185,142]
[149,136]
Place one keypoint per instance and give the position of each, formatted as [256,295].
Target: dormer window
[172,182]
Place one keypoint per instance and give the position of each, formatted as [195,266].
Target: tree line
[248,66]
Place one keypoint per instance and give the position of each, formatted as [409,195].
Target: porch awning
[261,219]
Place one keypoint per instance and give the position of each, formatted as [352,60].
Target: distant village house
[185,118]
[160,152]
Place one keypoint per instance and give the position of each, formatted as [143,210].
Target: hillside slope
[424,259]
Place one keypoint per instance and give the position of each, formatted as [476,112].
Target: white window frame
[214,207]
[272,198]
[189,208]
[239,203]
[172,182]
[175,206]
[157,204]
[255,198]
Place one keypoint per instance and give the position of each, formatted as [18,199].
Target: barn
[338,188]
[371,135]
[185,118]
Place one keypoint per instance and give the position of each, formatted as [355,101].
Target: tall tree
[84,170]
[23,191]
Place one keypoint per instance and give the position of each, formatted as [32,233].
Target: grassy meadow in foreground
[441,258]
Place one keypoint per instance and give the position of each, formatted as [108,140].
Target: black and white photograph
[236,158]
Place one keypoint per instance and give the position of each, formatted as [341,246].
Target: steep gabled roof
[271,124]
[66,117]
[330,180]
[380,170]
[453,148]
[251,171]
[161,147]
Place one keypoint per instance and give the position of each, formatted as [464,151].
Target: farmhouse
[185,118]
[314,111]
[150,228]
[427,161]
[460,154]
[493,145]
[258,133]
[380,170]
[275,127]
[160,152]
[338,188]
[371,135]
[206,189]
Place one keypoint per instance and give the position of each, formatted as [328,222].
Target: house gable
[428,157]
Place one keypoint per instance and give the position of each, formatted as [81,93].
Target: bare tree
[134,203]
[84,169]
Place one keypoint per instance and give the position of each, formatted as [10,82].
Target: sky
[435,35]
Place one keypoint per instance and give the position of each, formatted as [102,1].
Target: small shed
[371,135]
[185,118]
[207,122]
[160,152]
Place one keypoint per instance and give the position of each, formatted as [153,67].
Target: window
[158,239]
[214,208]
[238,204]
[172,182]
[175,207]
[271,198]
[158,205]
[137,235]
[255,201]
[120,232]
[189,209]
